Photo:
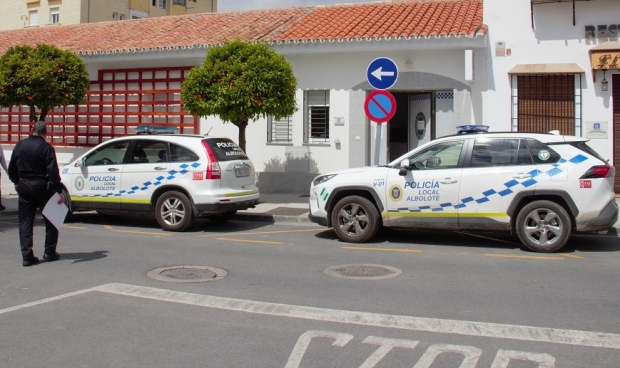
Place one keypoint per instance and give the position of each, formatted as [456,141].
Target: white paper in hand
[55,212]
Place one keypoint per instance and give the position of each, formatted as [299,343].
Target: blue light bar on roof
[151,129]
[464,129]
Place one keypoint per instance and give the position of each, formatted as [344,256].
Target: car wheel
[355,219]
[173,211]
[543,226]
[222,217]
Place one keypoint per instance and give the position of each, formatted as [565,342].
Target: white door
[419,119]
[427,196]
[146,169]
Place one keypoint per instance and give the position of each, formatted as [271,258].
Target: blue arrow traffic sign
[382,73]
[380,106]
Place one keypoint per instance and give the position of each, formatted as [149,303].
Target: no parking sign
[380,106]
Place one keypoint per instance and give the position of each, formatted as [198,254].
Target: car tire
[222,217]
[69,216]
[355,219]
[543,226]
[173,211]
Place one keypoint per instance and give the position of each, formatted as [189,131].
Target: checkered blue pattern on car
[171,175]
[489,194]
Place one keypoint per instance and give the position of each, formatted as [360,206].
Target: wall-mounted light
[604,83]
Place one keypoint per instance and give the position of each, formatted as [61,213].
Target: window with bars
[547,102]
[116,103]
[316,117]
[280,130]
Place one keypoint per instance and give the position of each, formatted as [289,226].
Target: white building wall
[553,39]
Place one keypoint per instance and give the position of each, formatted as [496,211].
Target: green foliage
[41,77]
[240,81]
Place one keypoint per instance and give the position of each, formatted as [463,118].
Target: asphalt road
[278,296]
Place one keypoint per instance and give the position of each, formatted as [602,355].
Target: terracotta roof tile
[408,19]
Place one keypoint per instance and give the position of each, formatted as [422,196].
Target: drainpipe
[88,15]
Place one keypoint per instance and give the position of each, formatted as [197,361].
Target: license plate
[240,173]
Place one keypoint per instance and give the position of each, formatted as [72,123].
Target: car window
[444,155]
[108,154]
[148,151]
[182,154]
[489,152]
[541,153]
[225,150]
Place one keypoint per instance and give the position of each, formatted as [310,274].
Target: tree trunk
[242,125]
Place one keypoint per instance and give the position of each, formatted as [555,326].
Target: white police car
[174,178]
[541,186]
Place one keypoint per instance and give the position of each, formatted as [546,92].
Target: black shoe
[2,208]
[30,261]
[51,257]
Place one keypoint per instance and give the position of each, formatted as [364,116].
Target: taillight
[598,172]
[213,167]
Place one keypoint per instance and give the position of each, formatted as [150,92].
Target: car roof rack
[472,129]
[152,129]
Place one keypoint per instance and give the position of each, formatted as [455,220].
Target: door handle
[448,181]
[161,168]
[112,169]
[522,176]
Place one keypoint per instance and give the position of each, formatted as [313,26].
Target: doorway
[420,117]
[615,93]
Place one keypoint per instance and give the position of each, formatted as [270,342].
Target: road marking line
[250,241]
[47,300]
[525,257]
[489,238]
[107,227]
[265,232]
[571,255]
[142,232]
[384,249]
[435,325]
[74,227]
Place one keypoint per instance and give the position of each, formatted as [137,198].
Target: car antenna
[206,135]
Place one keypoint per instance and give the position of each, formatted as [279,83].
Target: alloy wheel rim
[543,226]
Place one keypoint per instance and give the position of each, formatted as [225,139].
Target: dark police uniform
[34,171]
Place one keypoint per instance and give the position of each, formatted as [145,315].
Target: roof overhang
[558,68]
[605,56]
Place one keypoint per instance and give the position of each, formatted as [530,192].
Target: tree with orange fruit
[41,77]
[241,81]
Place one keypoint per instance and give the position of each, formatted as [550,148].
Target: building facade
[515,66]
[16,14]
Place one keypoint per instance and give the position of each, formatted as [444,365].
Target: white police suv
[541,186]
[174,178]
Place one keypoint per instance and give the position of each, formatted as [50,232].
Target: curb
[273,219]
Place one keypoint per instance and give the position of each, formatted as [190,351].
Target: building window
[33,18]
[280,131]
[316,116]
[546,102]
[162,4]
[154,2]
[122,17]
[54,15]
[179,2]
[114,15]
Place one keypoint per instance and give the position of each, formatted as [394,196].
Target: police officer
[34,171]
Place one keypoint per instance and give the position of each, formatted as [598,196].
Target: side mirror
[404,167]
[82,162]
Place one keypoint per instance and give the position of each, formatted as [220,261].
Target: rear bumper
[605,220]
[211,208]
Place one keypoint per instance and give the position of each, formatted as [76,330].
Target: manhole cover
[363,271]
[187,274]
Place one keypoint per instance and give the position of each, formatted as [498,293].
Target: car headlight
[322,179]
